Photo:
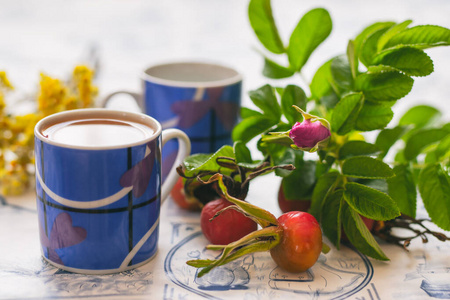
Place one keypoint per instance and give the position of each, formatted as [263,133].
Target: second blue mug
[202,99]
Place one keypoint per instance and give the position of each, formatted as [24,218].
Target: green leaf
[420,116]
[391,32]
[286,157]
[373,116]
[387,138]
[403,189]
[359,235]
[276,71]
[265,99]
[423,36]
[323,187]
[369,47]
[411,61]
[312,29]
[341,72]
[370,202]
[293,95]
[263,217]
[343,118]
[421,139]
[385,86]
[263,23]
[331,217]
[362,37]
[242,153]
[300,183]
[205,162]
[357,148]
[320,84]
[250,127]
[352,59]
[366,167]
[324,165]
[434,187]
[443,148]
[247,112]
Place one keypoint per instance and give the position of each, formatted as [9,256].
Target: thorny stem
[408,223]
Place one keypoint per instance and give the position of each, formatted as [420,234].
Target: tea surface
[97,132]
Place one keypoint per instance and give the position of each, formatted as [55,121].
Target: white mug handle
[184,149]
[136,96]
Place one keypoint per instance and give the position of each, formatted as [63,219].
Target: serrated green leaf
[380,69]
[357,42]
[421,139]
[312,29]
[378,184]
[206,162]
[370,202]
[373,116]
[423,36]
[420,116]
[276,71]
[391,32]
[385,86]
[357,148]
[331,217]
[402,190]
[251,127]
[344,115]
[409,60]
[300,183]
[341,72]
[359,235]
[264,98]
[366,167]
[369,47]
[387,138]
[293,95]
[263,23]
[434,187]
[323,187]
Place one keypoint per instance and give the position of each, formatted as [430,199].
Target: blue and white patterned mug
[98,187]
[202,99]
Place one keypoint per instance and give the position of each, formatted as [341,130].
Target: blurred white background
[126,36]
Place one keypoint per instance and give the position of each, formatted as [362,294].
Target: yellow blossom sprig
[17,131]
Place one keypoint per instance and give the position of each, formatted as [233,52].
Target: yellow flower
[4,82]
[83,77]
[17,132]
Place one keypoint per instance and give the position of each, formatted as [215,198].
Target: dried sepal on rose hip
[294,240]
[312,134]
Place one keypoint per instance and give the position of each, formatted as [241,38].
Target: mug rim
[237,77]
[86,113]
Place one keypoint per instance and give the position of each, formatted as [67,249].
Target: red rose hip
[226,228]
[301,242]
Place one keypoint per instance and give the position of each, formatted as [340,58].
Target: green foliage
[355,91]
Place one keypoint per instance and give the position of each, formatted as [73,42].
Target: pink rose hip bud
[311,134]
[308,134]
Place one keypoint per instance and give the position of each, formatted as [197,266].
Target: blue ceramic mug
[202,99]
[98,188]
